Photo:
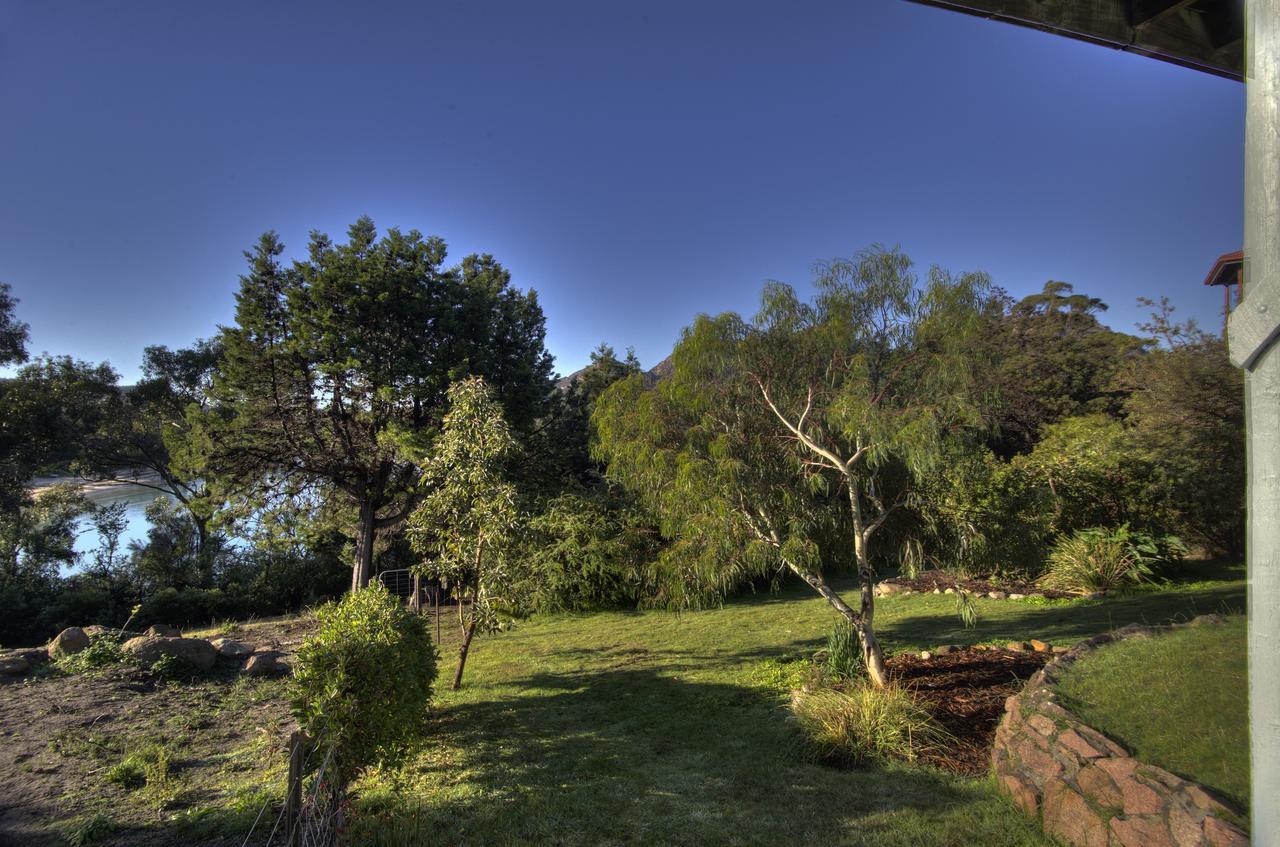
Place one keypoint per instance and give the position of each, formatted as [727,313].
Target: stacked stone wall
[1085,788]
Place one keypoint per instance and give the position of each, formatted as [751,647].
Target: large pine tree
[338,366]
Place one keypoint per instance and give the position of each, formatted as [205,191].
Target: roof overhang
[1207,35]
[1226,271]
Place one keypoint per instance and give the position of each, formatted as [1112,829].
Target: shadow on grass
[641,755]
[1009,620]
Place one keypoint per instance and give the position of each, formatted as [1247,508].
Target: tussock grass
[863,725]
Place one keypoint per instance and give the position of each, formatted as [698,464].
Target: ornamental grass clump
[1100,559]
[866,725]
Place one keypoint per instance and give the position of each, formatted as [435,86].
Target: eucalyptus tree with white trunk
[765,427]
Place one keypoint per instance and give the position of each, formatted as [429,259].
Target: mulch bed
[966,691]
[929,580]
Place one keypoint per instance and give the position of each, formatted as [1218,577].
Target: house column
[1252,334]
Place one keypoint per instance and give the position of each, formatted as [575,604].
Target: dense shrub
[362,682]
[865,724]
[586,550]
[1099,559]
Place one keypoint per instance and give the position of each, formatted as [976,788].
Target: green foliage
[175,669]
[866,725]
[338,365]
[147,765]
[844,655]
[103,650]
[584,550]
[1051,359]
[1089,471]
[1186,410]
[362,683]
[13,332]
[465,527]
[90,830]
[1100,559]
[966,609]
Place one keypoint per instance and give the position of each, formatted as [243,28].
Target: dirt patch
[966,691]
[61,734]
[929,580]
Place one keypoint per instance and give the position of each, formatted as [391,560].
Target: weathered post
[293,797]
[1252,332]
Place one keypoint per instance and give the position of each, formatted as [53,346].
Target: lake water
[135,498]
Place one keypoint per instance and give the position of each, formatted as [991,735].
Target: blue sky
[635,163]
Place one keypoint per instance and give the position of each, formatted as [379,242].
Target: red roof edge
[1224,269]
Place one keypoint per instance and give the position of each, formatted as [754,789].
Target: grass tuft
[866,725]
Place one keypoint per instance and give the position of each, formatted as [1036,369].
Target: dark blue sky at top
[635,163]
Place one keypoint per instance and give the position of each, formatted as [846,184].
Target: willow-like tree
[338,366]
[465,526]
[765,427]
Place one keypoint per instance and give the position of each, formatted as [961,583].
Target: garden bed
[966,692]
[928,581]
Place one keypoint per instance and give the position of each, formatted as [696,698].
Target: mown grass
[652,728]
[1177,701]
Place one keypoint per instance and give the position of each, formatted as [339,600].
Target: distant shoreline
[41,484]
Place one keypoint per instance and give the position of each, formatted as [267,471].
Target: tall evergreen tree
[338,366]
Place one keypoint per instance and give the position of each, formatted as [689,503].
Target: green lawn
[651,728]
[1191,681]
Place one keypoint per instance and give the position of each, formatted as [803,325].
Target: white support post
[1252,334]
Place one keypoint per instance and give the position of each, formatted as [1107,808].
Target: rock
[949,591]
[1040,646]
[1208,620]
[997,595]
[148,648]
[232,649]
[162,630]
[937,591]
[12,665]
[926,655]
[1140,832]
[1018,646]
[1219,833]
[33,655]
[1016,596]
[265,664]
[70,640]
[1067,816]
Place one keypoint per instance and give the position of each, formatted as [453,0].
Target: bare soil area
[222,736]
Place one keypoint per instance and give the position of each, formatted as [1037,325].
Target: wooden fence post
[293,801]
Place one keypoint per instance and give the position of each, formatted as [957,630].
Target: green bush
[362,683]
[103,650]
[1100,559]
[844,653]
[866,725]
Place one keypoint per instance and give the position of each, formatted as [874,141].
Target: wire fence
[315,806]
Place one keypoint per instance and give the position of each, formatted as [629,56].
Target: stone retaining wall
[1085,788]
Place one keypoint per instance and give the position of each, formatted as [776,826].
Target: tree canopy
[338,366]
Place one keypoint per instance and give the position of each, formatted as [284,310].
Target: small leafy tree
[465,526]
[362,683]
[746,450]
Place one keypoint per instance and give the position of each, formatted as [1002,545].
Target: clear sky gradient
[635,163]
